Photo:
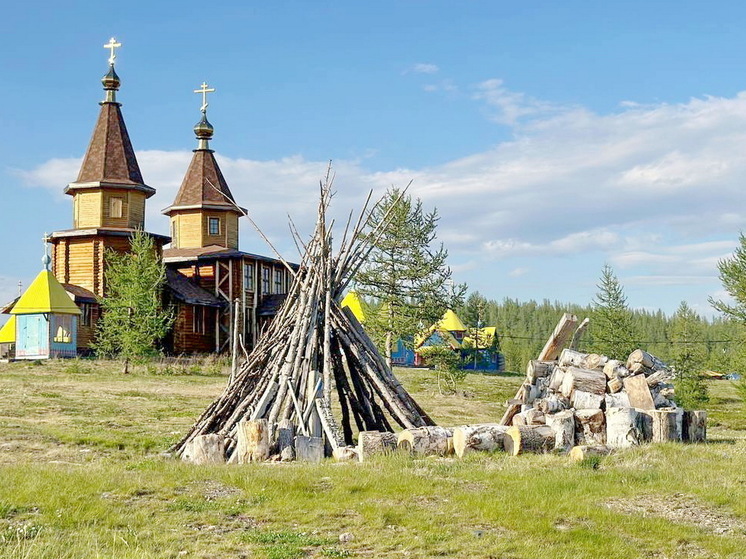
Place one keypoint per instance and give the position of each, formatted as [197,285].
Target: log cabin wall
[185,339]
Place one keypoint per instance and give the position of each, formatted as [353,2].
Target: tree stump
[695,426]
[484,437]
[309,449]
[590,427]
[529,438]
[370,443]
[563,424]
[622,427]
[205,449]
[252,441]
[425,440]
[667,425]
[286,440]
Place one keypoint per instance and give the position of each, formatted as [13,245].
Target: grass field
[82,475]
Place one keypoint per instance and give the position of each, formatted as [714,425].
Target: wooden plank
[309,449]
[562,333]
[638,392]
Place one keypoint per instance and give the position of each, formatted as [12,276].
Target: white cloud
[423,68]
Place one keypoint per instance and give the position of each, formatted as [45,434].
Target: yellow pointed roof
[44,295]
[451,322]
[353,302]
[8,331]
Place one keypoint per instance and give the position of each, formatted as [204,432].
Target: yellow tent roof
[45,294]
[450,322]
[8,331]
[353,302]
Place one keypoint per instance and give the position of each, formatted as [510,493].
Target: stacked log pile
[278,404]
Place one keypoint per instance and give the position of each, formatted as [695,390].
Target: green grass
[81,475]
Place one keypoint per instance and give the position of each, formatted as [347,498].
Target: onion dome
[111,80]
[203,129]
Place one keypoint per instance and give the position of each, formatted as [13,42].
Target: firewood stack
[278,405]
[590,400]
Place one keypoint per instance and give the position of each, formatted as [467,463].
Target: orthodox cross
[111,45]
[204,91]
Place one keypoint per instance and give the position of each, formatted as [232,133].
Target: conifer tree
[688,357]
[133,319]
[733,277]
[612,326]
[406,275]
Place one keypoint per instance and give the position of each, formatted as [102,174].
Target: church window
[86,319]
[63,334]
[115,207]
[199,320]
[213,225]
[174,232]
[278,281]
[248,276]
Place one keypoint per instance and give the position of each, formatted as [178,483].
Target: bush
[447,364]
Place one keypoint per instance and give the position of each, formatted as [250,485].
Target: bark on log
[638,392]
[345,454]
[552,403]
[695,426]
[563,424]
[614,385]
[538,369]
[584,380]
[514,407]
[555,381]
[622,427]
[559,338]
[581,452]
[529,438]
[309,449]
[205,449]
[586,401]
[645,423]
[520,419]
[286,440]
[590,427]
[667,425]
[645,359]
[618,400]
[595,361]
[484,437]
[535,417]
[371,443]
[571,358]
[252,441]
[425,440]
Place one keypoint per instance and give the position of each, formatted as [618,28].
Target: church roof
[8,331]
[204,186]
[45,295]
[451,322]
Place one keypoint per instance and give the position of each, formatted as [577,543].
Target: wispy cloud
[422,68]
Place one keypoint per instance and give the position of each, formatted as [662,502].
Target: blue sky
[551,136]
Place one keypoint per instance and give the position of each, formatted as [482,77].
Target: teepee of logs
[312,353]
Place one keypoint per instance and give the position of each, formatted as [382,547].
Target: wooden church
[210,282]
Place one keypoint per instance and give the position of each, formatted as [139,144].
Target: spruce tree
[406,275]
[688,357]
[612,327]
[733,277]
[133,319]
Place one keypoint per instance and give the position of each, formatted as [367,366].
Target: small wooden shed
[46,320]
[8,339]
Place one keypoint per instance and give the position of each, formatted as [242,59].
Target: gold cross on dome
[204,90]
[111,45]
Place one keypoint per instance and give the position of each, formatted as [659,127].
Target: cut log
[618,400]
[425,440]
[329,424]
[571,358]
[614,368]
[563,424]
[519,419]
[594,361]
[614,385]
[667,425]
[484,437]
[695,426]
[529,438]
[535,417]
[590,427]
[514,407]
[584,380]
[659,377]
[552,403]
[309,449]
[580,330]
[252,441]
[645,359]
[622,427]
[286,440]
[581,452]
[345,454]
[205,449]
[559,338]
[638,392]
[538,369]
[555,381]
[645,424]
[586,401]
[372,443]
